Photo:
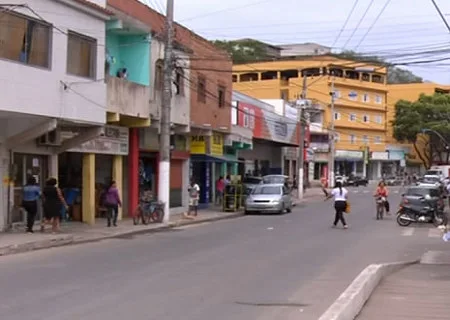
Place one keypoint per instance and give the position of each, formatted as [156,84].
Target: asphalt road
[257,267]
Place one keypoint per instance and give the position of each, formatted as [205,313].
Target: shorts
[193,202]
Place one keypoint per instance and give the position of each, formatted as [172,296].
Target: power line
[359,23]
[345,23]
[373,24]
[441,15]
[225,10]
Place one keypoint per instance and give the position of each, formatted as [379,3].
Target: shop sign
[216,142]
[198,144]
[114,141]
[396,155]
[348,154]
[379,156]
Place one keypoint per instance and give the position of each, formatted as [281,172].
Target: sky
[406,27]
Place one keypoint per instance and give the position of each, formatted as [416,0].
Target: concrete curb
[352,300]
[65,240]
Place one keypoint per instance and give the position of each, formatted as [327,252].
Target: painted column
[354,168]
[88,192]
[378,172]
[133,171]
[214,178]
[365,170]
[117,174]
[52,166]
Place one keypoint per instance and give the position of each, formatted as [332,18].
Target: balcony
[319,146]
[128,98]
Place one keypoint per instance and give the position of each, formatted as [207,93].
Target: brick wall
[206,60]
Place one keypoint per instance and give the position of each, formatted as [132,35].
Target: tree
[428,112]
[244,51]
[395,74]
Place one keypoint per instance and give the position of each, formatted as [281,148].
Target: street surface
[256,267]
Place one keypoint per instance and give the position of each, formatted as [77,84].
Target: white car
[341,179]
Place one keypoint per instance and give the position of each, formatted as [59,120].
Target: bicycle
[148,211]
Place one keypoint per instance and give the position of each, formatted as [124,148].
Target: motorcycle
[380,201]
[429,213]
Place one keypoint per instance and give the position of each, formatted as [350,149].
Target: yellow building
[410,92]
[360,107]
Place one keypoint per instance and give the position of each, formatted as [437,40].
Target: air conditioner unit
[51,138]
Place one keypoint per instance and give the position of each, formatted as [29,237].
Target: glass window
[378,119]
[366,118]
[378,99]
[267,190]
[352,139]
[377,139]
[352,117]
[81,55]
[337,116]
[366,97]
[25,40]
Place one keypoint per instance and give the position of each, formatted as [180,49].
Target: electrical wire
[373,24]
[346,22]
[441,15]
[359,23]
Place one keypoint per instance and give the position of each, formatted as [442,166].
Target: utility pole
[301,139]
[165,127]
[332,141]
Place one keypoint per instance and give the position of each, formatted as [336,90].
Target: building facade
[359,117]
[54,112]
[404,155]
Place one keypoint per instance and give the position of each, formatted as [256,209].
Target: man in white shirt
[194,196]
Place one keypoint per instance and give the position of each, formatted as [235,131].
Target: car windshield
[433,172]
[422,192]
[274,179]
[252,180]
[266,190]
[431,179]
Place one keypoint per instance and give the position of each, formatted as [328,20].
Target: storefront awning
[211,158]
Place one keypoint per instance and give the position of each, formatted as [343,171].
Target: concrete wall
[180,112]
[128,98]
[41,90]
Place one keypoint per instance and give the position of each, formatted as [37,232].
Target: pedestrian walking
[53,201]
[340,196]
[194,196]
[220,188]
[112,203]
[324,185]
[30,197]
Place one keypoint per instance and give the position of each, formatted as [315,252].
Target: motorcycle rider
[383,192]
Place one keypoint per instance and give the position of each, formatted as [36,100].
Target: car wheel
[282,210]
[289,210]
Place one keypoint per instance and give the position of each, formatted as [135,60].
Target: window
[337,137]
[365,139]
[379,119]
[352,139]
[378,99]
[245,117]
[234,78]
[337,116]
[81,55]
[353,95]
[221,96]
[337,94]
[352,117]
[201,89]
[179,82]
[366,119]
[159,75]
[377,139]
[366,97]
[25,40]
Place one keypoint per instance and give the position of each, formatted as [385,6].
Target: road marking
[407,232]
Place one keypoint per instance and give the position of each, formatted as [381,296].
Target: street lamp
[439,135]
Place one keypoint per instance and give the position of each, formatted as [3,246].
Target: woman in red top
[382,191]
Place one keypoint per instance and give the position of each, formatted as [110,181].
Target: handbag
[348,207]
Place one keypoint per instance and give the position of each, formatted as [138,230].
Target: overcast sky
[405,26]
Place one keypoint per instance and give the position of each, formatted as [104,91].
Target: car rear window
[274,179]
[422,192]
[267,190]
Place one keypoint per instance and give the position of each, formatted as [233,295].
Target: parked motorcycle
[428,213]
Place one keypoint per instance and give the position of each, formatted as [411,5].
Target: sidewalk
[77,233]
[420,291]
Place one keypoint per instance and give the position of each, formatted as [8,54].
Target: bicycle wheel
[157,215]
[137,215]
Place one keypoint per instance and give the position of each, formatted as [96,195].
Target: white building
[52,63]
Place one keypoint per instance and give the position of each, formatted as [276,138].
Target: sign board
[216,142]
[379,156]
[349,154]
[114,142]
[198,144]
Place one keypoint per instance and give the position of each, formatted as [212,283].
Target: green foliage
[428,112]
[395,74]
[243,51]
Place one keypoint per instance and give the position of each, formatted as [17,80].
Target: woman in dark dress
[53,202]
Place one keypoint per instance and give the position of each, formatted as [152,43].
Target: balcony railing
[128,98]
[320,146]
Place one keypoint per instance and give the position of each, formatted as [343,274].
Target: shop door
[25,166]
[176,183]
